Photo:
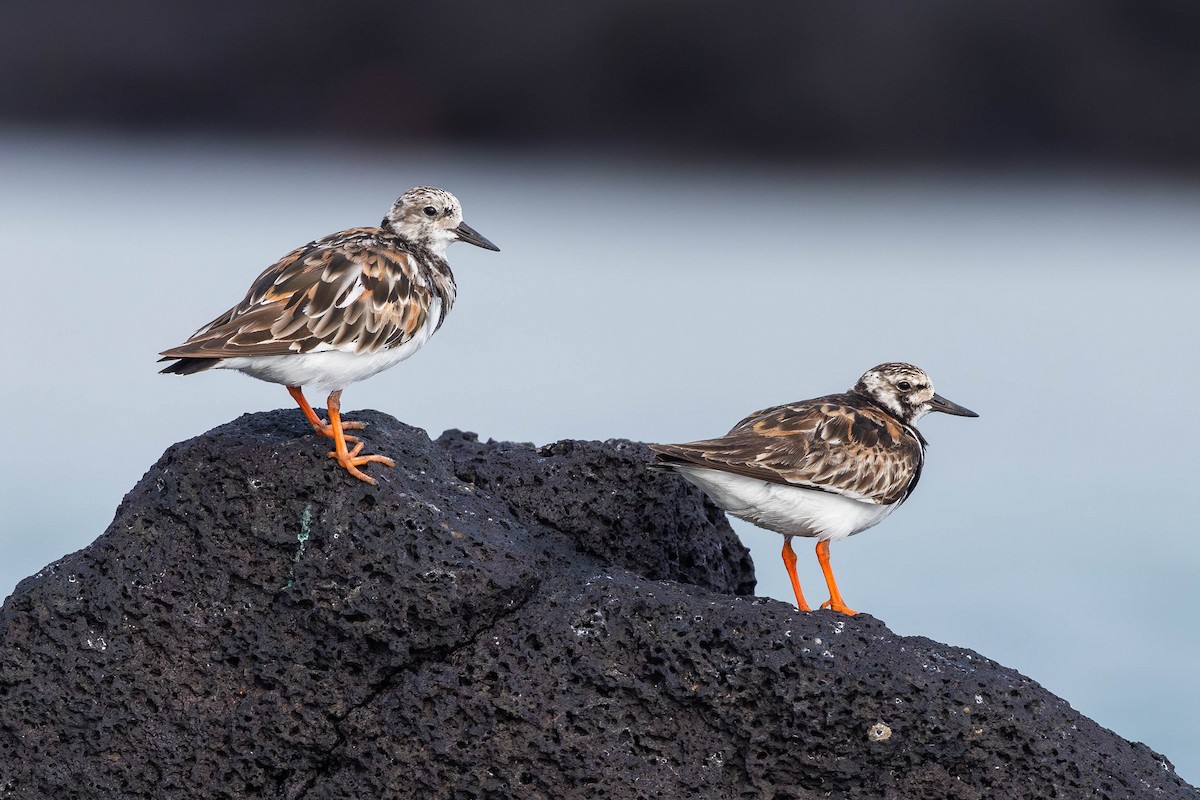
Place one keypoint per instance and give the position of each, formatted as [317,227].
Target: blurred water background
[701,214]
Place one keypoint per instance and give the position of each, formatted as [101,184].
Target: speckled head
[432,218]
[906,391]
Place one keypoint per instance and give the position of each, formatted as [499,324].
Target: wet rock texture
[492,620]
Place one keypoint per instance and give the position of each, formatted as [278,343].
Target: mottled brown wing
[831,443]
[344,292]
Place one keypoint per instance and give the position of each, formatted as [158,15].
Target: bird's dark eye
[904,386]
[430,211]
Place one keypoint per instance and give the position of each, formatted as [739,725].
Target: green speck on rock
[305,526]
[305,529]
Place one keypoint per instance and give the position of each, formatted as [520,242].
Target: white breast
[790,510]
[326,370]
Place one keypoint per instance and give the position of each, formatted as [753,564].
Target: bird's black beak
[469,235]
[939,403]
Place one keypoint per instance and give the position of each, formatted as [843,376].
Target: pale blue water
[1054,533]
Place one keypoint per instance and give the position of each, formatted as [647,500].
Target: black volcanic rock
[492,620]
[615,510]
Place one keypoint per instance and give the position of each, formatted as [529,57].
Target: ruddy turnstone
[339,310]
[828,468]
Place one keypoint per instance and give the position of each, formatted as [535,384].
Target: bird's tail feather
[188,366]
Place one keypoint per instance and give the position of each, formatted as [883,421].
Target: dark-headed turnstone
[826,468]
[341,309]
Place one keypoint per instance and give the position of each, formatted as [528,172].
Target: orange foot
[325,429]
[835,597]
[351,461]
[838,606]
[319,425]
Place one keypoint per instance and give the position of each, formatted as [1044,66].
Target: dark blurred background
[1092,81]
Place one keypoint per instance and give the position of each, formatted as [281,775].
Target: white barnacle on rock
[879,732]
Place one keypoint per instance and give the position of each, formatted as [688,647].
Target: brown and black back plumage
[361,290]
[841,443]
[861,444]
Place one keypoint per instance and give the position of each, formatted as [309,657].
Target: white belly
[326,370]
[790,510]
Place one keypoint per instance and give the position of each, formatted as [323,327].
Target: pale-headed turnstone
[341,309]
[826,468]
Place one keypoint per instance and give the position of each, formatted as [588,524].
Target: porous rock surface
[493,620]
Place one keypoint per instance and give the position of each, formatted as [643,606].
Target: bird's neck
[908,421]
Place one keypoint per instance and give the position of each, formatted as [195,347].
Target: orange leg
[320,425]
[789,561]
[835,600]
[351,460]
